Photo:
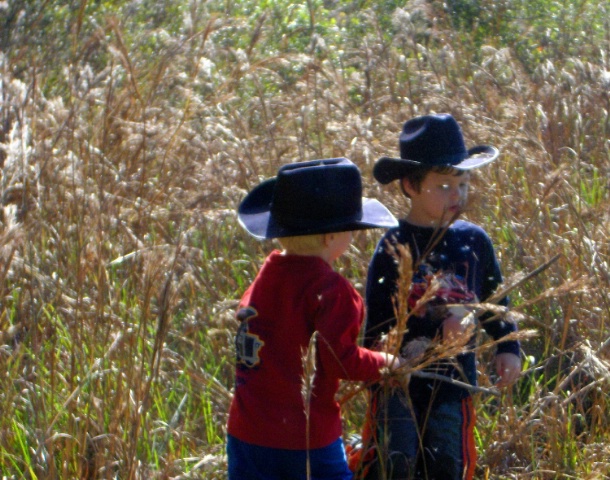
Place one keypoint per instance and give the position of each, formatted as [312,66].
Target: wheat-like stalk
[308,379]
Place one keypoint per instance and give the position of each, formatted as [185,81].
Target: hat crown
[433,140]
[312,195]
[307,198]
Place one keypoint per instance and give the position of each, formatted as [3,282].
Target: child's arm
[337,321]
[508,368]
[508,362]
[380,289]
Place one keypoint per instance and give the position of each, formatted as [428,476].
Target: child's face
[337,244]
[441,197]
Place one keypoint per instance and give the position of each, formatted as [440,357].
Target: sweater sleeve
[338,323]
[491,278]
[380,290]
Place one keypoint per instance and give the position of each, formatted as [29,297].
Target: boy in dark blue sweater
[427,432]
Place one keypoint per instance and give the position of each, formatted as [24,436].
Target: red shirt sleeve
[338,320]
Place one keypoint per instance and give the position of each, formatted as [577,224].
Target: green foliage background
[130,130]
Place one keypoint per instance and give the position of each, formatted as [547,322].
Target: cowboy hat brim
[387,169]
[254,214]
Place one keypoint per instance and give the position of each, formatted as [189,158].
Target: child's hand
[458,326]
[508,368]
[393,375]
[393,362]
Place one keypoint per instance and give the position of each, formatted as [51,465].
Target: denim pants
[430,442]
[253,462]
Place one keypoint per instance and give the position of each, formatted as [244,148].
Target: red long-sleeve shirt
[291,297]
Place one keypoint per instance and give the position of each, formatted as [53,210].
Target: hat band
[288,221]
[451,159]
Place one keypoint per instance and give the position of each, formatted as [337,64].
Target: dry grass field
[130,131]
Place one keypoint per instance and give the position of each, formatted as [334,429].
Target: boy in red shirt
[312,208]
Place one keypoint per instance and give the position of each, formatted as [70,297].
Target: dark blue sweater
[465,252]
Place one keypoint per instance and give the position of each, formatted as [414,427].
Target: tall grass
[123,161]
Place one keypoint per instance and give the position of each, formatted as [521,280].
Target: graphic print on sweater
[247,345]
[446,287]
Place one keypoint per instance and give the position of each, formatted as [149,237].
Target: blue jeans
[252,462]
[425,442]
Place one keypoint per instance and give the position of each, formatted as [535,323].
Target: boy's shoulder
[405,228]
[460,232]
[465,232]
[307,271]
[465,225]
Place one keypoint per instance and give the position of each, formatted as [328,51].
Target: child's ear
[327,239]
[407,187]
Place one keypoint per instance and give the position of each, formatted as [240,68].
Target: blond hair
[303,244]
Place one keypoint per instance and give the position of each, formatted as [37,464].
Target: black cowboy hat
[306,198]
[432,141]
